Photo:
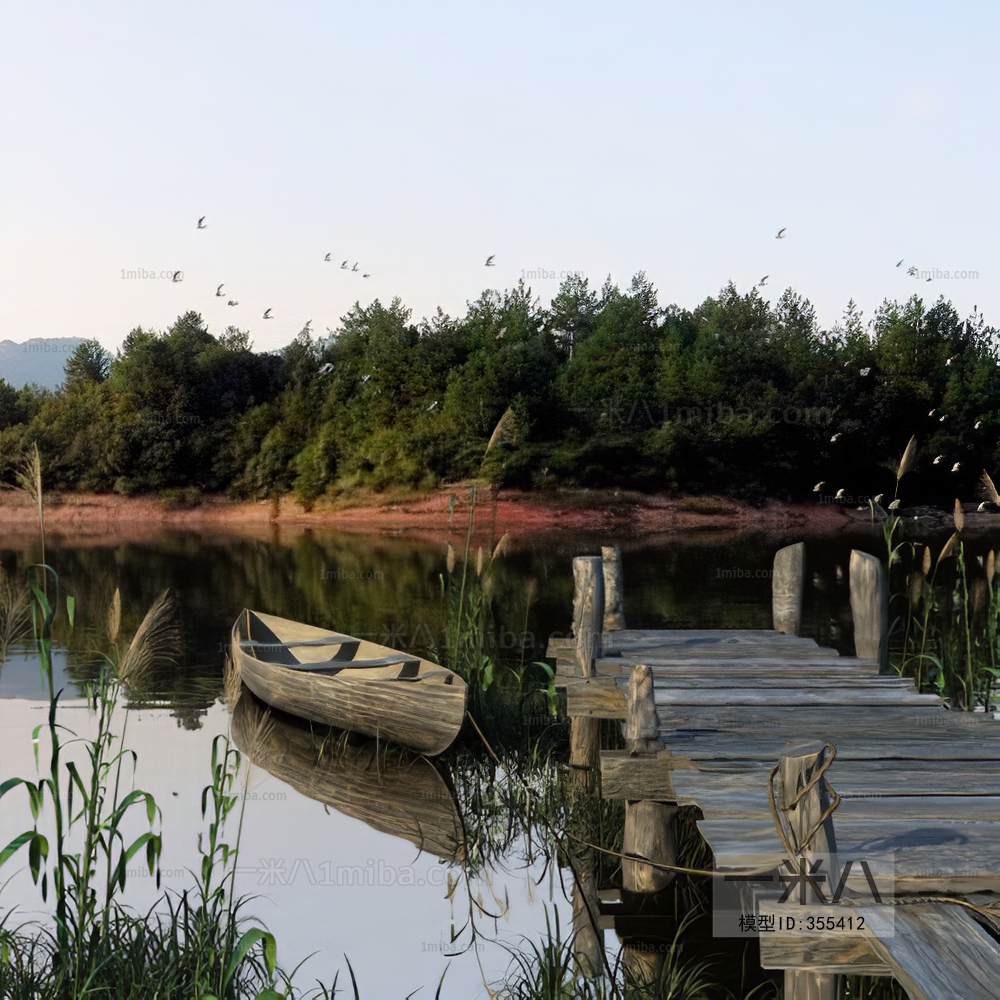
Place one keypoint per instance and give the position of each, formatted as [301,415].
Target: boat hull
[425,715]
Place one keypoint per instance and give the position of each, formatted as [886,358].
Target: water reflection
[387,787]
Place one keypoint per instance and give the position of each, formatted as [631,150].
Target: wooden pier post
[795,770]
[787,584]
[870,608]
[588,938]
[614,589]
[649,832]
[642,724]
[588,611]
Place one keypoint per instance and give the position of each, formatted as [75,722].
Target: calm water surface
[325,882]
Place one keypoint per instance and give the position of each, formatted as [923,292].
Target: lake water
[328,884]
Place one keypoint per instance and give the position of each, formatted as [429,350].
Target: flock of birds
[344,266]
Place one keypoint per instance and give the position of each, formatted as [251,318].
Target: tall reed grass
[195,944]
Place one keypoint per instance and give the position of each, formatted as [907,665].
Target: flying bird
[840,495]
[781,233]
[763,280]
[343,265]
[835,436]
[949,361]
[327,257]
[900,262]
[928,279]
[431,407]
[942,418]
[366,275]
[938,460]
[355,266]
[218,292]
[489,260]
[865,371]
[932,412]
[912,271]
[267,314]
[819,486]
[177,276]
[978,424]
[878,499]
[365,378]
[956,467]
[232,303]
[201,223]
[894,505]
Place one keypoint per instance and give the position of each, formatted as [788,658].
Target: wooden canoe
[391,789]
[349,683]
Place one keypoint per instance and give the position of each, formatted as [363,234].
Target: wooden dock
[709,713]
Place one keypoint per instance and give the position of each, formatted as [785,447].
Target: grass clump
[193,945]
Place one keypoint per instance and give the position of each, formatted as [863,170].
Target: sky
[417,139]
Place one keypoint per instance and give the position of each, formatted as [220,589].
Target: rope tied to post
[787,836]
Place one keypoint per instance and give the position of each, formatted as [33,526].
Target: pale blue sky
[419,138]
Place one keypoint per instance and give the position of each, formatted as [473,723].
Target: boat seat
[409,665]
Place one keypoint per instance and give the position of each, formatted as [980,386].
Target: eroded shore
[438,514]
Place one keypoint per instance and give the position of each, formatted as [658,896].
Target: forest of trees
[736,397]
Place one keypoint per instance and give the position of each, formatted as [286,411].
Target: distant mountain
[39,360]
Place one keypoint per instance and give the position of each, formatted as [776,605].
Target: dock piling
[614,590]
[787,584]
[588,611]
[870,608]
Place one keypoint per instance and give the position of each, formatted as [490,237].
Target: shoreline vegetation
[607,391]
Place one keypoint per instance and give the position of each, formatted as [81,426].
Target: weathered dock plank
[935,950]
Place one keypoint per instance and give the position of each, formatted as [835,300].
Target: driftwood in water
[389,788]
[870,608]
[588,611]
[614,588]
[787,583]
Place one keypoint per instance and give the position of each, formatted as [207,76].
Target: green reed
[945,631]
[192,945]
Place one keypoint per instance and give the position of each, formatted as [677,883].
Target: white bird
[988,507]
[978,424]
[878,499]
[763,281]
[343,265]
[949,361]
[819,486]
[911,271]
[177,276]
[840,495]
[365,378]
[865,371]
[201,223]
[327,257]
[938,460]
[489,260]
[326,369]
[781,233]
[218,292]
[942,418]
[431,407]
[267,314]
[894,505]
[931,414]
[956,467]
[834,438]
